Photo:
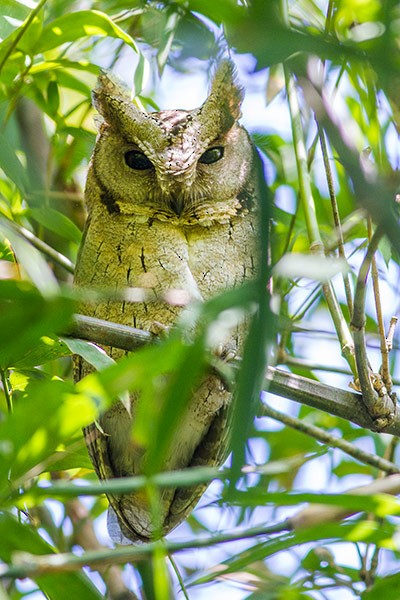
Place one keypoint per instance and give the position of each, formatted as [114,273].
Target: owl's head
[191,166]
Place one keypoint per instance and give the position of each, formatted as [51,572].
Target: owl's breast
[224,255]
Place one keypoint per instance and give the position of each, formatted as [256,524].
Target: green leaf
[254,361]
[15,9]
[74,456]
[223,11]
[81,24]
[25,317]
[17,536]
[57,222]
[49,414]
[11,164]
[93,354]
[47,349]
[32,34]
[53,98]
[384,587]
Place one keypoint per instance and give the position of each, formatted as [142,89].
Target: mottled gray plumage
[172,205]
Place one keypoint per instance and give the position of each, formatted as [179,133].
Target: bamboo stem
[316,245]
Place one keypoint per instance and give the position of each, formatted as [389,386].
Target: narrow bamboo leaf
[63,64]
[319,268]
[81,24]
[57,222]
[48,414]
[48,348]
[254,362]
[11,164]
[168,34]
[25,316]
[93,354]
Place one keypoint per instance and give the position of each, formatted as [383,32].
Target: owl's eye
[212,155]
[137,160]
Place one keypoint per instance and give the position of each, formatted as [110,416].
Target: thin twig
[316,245]
[29,565]
[55,256]
[376,195]
[336,216]
[378,402]
[390,335]
[331,440]
[385,369]
[178,576]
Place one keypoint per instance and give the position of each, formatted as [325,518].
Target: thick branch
[335,401]
[107,333]
[338,402]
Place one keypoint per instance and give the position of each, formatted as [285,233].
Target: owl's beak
[177,205]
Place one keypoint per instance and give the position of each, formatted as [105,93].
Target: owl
[172,204]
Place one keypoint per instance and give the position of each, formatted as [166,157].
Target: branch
[331,440]
[341,403]
[108,333]
[47,250]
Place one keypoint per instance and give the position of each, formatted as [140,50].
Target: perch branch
[336,216]
[338,402]
[107,333]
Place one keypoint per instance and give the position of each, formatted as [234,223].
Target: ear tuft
[222,108]
[108,92]
[226,87]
